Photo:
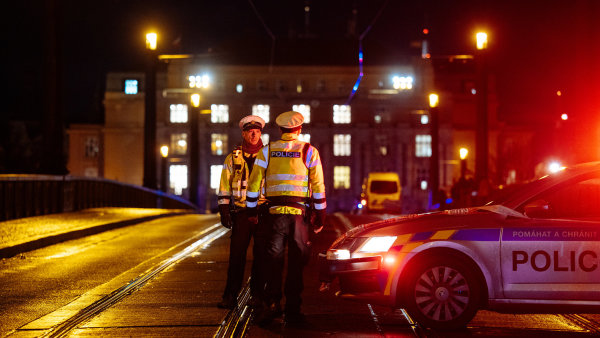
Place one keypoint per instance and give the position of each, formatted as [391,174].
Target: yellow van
[381,192]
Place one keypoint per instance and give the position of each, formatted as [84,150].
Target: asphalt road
[171,272]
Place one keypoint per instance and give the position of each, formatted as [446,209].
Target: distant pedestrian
[293,180]
[232,208]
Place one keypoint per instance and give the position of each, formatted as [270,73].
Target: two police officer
[292,175]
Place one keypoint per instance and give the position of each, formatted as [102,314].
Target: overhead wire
[361,53]
[262,21]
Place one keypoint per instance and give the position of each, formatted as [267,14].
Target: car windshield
[384,187]
[507,193]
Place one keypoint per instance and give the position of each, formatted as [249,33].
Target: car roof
[531,189]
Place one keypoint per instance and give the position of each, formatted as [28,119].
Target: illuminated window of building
[303,109]
[341,113]
[341,145]
[219,113]
[265,139]
[199,81]
[299,86]
[179,113]
[215,176]
[423,145]
[218,144]
[178,178]
[341,177]
[402,82]
[261,110]
[178,144]
[304,138]
[424,119]
[92,147]
[131,86]
[377,118]
[239,88]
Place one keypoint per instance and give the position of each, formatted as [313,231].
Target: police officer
[232,208]
[293,179]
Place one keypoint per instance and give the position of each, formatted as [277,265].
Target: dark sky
[532,45]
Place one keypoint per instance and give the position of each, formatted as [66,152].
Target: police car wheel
[442,293]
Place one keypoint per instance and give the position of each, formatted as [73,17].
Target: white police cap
[290,119]
[252,122]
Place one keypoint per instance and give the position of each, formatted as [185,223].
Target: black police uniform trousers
[290,230]
[242,231]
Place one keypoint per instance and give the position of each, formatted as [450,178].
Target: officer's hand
[253,219]
[226,220]
[317,230]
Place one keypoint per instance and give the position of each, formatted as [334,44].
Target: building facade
[379,121]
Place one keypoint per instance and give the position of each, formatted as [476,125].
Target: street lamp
[463,152]
[194,140]
[150,113]
[164,152]
[481,144]
[434,101]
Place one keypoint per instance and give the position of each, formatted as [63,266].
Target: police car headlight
[378,244]
[338,254]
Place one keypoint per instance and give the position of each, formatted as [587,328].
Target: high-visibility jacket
[234,179]
[292,173]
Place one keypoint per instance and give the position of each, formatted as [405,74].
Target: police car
[537,250]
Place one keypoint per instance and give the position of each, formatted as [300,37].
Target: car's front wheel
[442,293]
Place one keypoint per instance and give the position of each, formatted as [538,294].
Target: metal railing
[33,195]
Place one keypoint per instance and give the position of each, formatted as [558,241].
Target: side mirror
[537,209]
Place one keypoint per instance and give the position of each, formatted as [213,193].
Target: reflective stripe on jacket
[234,179]
[290,176]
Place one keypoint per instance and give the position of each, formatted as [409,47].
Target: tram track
[207,236]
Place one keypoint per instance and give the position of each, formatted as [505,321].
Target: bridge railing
[33,195]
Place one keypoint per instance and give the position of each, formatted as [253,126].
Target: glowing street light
[434,110]
[150,148]
[463,152]
[434,100]
[164,152]
[194,149]
[482,40]
[151,41]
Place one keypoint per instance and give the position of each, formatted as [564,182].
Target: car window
[384,187]
[578,200]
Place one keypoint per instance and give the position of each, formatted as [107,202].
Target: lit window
[178,178]
[341,113]
[131,86]
[199,81]
[239,88]
[424,119]
[377,118]
[402,82]
[261,110]
[218,143]
[303,109]
[92,147]
[219,113]
[304,138]
[215,176]
[179,113]
[178,144]
[341,177]
[341,145]
[423,185]
[423,145]
[264,138]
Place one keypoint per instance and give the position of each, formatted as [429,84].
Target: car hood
[484,217]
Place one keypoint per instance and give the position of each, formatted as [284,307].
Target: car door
[555,252]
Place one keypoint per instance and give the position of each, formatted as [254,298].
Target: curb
[39,243]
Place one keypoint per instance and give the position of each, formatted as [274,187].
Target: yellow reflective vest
[234,179]
[292,173]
